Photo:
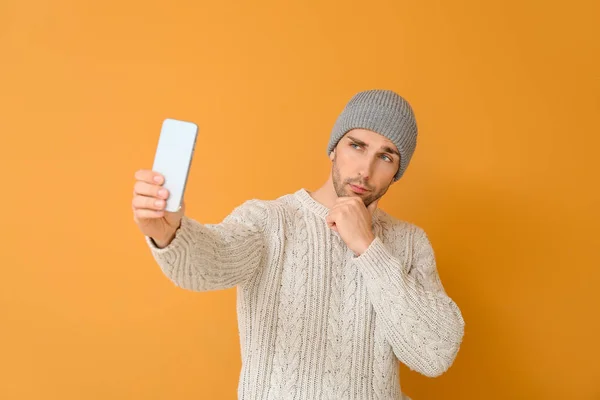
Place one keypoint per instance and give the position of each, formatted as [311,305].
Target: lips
[358,189]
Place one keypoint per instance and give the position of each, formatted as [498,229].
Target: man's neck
[326,194]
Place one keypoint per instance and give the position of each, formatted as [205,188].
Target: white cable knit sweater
[315,321]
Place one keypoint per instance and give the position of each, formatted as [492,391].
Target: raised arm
[215,256]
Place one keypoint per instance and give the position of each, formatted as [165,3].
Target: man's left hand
[352,220]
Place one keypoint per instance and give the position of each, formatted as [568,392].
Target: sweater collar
[307,201]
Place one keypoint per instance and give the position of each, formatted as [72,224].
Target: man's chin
[347,193]
[350,193]
[354,194]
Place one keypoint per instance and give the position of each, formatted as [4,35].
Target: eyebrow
[386,149]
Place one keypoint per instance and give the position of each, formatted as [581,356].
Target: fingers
[143,213]
[148,203]
[149,176]
[347,204]
[149,197]
[330,219]
[142,188]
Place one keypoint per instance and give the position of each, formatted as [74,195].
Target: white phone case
[174,157]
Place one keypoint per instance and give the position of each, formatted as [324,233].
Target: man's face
[364,165]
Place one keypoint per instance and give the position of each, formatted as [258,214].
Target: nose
[366,168]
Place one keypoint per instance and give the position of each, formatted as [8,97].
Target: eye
[386,158]
[354,145]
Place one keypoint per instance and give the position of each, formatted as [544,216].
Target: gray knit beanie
[383,112]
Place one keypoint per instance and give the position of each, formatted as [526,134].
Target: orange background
[504,180]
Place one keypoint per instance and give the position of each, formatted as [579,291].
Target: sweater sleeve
[215,256]
[423,325]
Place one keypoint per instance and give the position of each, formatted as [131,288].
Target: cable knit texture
[316,321]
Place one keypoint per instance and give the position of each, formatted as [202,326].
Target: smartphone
[173,158]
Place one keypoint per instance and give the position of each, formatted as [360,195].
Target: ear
[332,155]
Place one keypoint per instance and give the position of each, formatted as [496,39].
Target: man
[332,291]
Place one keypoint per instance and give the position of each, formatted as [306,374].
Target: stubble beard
[341,187]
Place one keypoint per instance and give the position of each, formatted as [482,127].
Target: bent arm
[423,325]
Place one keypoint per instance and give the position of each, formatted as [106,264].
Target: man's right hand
[149,200]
